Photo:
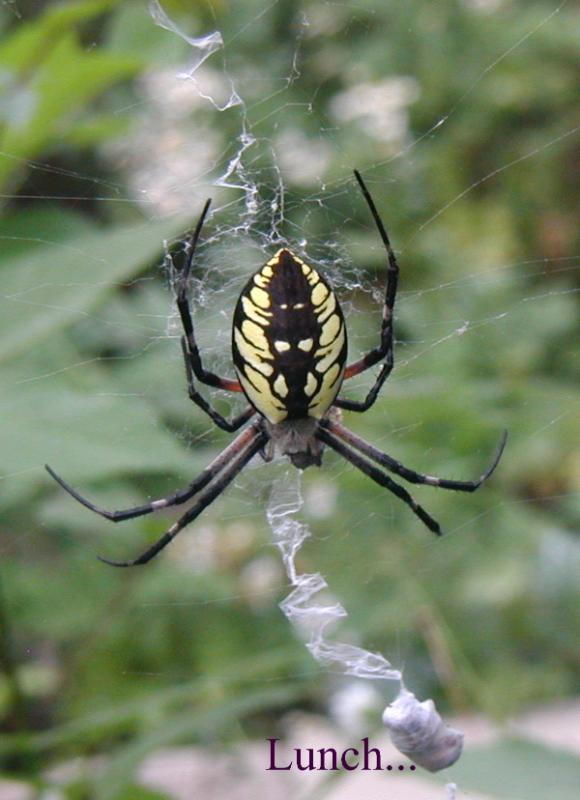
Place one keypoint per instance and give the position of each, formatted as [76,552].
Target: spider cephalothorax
[289,346]
[298,439]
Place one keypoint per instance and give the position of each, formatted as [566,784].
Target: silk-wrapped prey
[418,732]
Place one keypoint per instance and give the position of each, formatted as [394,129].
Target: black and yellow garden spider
[289,349]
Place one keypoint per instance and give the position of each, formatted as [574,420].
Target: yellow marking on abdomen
[256,314]
[280,386]
[255,335]
[319,293]
[326,309]
[331,353]
[281,346]
[311,384]
[257,380]
[260,297]
[306,344]
[274,261]
[327,393]
[251,355]
[330,330]
[263,401]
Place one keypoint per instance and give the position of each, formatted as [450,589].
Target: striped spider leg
[190,350]
[216,476]
[384,351]
[353,448]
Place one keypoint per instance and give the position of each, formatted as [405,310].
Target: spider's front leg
[223,423]
[332,440]
[193,355]
[384,351]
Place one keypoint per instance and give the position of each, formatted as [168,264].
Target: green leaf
[36,114]
[134,792]
[29,41]
[83,436]
[96,129]
[54,287]
[95,728]
[39,227]
[518,769]
[47,77]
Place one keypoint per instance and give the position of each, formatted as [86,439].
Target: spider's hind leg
[246,448]
[411,475]
[350,454]
[205,477]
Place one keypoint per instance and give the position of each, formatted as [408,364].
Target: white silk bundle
[418,731]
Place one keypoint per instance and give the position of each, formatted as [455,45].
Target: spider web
[258,211]
[313,618]
[239,174]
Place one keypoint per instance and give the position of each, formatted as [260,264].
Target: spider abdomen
[289,340]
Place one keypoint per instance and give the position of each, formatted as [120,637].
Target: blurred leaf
[50,289]
[37,227]
[134,792]
[85,436]
[199,724]
[518,769]
[97,727]
[96,129]
[48,77]
[31,40]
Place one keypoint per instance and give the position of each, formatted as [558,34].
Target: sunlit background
[117,122]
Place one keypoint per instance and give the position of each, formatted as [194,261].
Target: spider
[289,346]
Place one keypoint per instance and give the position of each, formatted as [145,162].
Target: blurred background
[117,122]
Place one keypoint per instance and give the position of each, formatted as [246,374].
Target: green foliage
[49,78]
[518,768]
[480,200]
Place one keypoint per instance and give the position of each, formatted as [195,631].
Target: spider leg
[378,476]
[385,348]
[410,475]
[202,480]
[364,405]
[232,469]
[226,425]
[205,376]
